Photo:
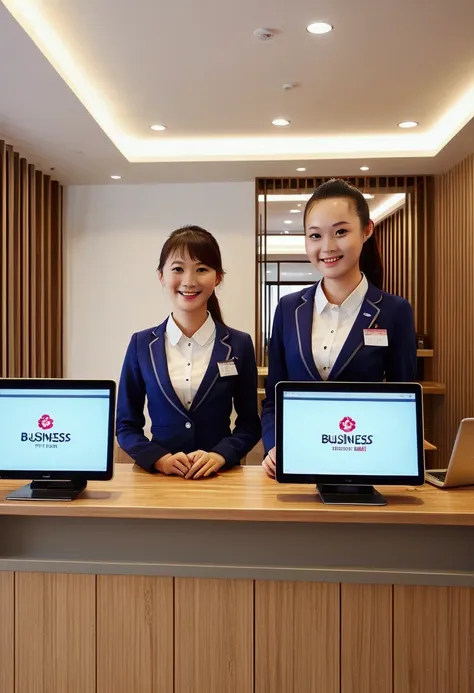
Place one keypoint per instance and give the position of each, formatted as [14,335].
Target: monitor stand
[350,495]
[51,490]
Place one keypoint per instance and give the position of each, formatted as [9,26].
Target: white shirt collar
[201,337]
[352,302]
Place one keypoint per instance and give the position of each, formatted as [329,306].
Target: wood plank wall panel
[55,633]
[297,637]
[31,280]
[366,638]
[433,649]
[214,625]
[134,634]
[453,301]
[7,632]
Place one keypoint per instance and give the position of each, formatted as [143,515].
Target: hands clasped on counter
[194,465]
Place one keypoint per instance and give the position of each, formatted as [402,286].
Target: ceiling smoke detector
[264,34]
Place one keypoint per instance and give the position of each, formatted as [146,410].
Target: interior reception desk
[236,584]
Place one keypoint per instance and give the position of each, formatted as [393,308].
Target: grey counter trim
[380,577]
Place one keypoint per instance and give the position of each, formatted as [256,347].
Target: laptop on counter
[460,470]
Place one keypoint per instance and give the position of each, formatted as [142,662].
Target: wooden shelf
[421,354]
[432,388]
[428,446]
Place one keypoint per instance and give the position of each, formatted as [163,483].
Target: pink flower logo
[347,424]
[45,422]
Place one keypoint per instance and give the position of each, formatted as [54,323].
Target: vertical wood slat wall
[30,270]
[393,238]
[453,300]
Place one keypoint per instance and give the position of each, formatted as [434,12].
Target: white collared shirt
[188,357]
[332,324]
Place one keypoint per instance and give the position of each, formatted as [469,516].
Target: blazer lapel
[222,351]
[304,324]
[160,367]
[368,314]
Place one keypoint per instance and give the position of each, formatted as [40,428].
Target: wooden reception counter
[236,584]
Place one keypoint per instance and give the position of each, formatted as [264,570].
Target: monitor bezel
[66,384]
[362,479]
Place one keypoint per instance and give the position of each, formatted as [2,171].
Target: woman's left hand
[204,463]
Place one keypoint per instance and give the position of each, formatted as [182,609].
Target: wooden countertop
[244,494]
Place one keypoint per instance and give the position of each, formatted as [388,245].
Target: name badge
[376,338]
[227,368]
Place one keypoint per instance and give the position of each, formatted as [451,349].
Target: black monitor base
[51,490]
[350,495]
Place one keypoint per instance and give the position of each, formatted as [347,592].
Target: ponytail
[371,262]
[214,308]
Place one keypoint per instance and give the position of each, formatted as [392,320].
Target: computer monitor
[346,437]
[59,433]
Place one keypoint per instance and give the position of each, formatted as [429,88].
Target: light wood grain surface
[297,641]
[214,624]
[7,626]
[244,493]
[433,648]
[366,638]
[134,633]
[55,622]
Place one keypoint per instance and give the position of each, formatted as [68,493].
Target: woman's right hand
[177,464]
[269,463]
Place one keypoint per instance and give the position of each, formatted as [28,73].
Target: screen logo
[345,442]
[45,422]
[45,438]
[347,424]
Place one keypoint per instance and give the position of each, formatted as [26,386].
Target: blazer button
[187,424]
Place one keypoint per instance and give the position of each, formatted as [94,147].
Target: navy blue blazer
[206,426]
[290,355]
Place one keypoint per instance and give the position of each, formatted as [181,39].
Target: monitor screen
[54,428]
[369,433]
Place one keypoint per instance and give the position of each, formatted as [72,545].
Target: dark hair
[201,246]
[370,259]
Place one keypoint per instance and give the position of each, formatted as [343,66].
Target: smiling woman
[344,327]
[192,369]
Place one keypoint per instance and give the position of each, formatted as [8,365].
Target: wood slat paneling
[453,301]
[7,632]
[366,638]
[214,622]
[55,633]
[433,639]
[297,637]
[134,634]
[30,269]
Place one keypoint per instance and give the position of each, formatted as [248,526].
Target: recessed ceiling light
[286,232]
[299,205]
[116,177]
[157,127]
[280,122]
[408,124]
[319,28]
[368,196]
[295,211]
[288,221]
[301,169]
[364,168]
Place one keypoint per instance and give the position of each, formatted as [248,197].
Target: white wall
[113,238]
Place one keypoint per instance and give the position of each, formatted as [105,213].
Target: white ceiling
[196,67]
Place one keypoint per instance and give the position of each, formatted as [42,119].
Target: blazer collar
[221,351]
[304,326]
[368,314]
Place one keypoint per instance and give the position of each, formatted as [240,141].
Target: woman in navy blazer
[341,245]
[189,438]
